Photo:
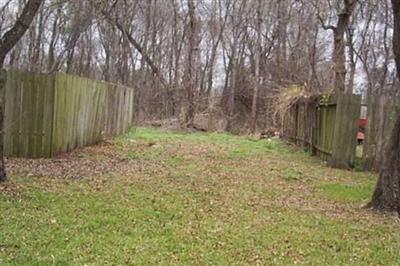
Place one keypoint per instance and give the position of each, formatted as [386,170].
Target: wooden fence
[46,115]
[324,130]
[299,122]
[313,124]
[381,115]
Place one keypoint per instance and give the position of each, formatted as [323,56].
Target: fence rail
[46,115]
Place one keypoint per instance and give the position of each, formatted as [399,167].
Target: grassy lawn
[153,197]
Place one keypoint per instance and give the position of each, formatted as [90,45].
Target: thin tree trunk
[214,53]
[257,69]
[188,110]
[51,56]
[339,56]
[353,63]
[314,81]
[386,196]
[232,90]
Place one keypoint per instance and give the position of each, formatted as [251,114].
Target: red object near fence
[360,136]
[362,123]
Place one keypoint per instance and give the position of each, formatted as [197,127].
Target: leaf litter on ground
[222,198]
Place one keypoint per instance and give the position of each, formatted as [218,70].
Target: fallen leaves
[193,195]
[88,162]
[9,189]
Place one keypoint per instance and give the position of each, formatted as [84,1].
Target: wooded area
[48,114]
[229,59]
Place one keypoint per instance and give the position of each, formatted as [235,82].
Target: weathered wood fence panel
[381,115]
[28,114]
[50,114]
[299,122]
[344,146]
[314,125]
[325,124]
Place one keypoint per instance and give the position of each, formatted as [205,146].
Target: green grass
[196,199]
[349,192]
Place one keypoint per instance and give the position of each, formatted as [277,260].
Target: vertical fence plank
[85,127]
[74,115]
[40,106]
[9,113]
[68,112]
[59,115]
[48,113]
[27,110]
[17,119]
[79,110]
[32,131]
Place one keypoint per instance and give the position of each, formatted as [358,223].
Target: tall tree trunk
[7,42]
[231,89]
[352,60]
[52,44]
[339,55]
[386,196]
[214,52]
[314,81]
[257,69]
[232,70]
[188,110]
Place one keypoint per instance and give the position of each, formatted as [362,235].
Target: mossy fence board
[46,115]
[313,125]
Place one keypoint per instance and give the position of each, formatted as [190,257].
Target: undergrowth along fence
[48,114]
[312,123]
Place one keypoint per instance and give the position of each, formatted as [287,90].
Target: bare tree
[236,59]
[257,66]
[188,108]
[339,31]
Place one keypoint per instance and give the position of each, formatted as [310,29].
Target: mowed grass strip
[196,199]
